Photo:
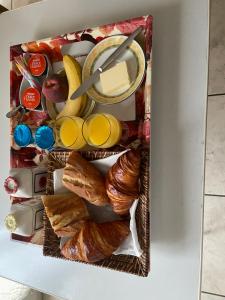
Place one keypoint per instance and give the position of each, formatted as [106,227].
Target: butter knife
[95,76]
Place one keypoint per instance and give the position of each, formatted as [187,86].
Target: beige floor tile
[217,48]
[20,3]
[211,297]
[6,3]
[215,146]
[213,262]
[10,290]
[48,297]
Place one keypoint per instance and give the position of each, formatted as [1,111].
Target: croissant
[95,241]
[85,180]
[70,230]
[66,212]
[122,181]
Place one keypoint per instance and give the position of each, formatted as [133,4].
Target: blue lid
[44,137]
[23,135]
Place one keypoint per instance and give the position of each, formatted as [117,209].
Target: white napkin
[131,244]
[57,182]
[123,111]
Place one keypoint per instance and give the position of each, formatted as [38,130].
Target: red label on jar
[31,98]
[37,64]
[11,185]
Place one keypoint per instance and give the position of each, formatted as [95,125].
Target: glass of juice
[102,130]
[69,133]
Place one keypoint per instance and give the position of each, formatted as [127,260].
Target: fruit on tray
[55,88]
[122,181]
[95,242]
[84,179]
[73,73]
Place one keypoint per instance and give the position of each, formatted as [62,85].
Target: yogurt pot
[37,64]
[26,182]
[40,68]
[43,136]
[25,218]
[31,98]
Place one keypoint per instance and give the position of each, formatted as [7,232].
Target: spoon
[14,111]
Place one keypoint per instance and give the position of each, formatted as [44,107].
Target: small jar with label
[26,182]
[37,64]
[26,217]
[30,94]
[31,98]
[43,136]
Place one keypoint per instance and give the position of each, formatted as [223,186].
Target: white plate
[134,57]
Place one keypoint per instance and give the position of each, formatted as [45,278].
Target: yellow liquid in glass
[104,130]
[71,133]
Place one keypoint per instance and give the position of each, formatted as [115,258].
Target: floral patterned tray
[52,47]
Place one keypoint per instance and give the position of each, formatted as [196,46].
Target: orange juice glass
[102,130]
[70,133]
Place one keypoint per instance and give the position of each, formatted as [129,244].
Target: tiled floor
[48,297]
[213,275]
[211,297]
[215,145]
[10,290]
[13,4]
[20,3]
[217,48]
[213,265]
[6,3]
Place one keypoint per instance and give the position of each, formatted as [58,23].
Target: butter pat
[115,80]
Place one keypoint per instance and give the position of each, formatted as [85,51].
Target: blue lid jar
[23,135]
[44,137]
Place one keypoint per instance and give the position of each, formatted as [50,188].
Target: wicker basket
[125,263]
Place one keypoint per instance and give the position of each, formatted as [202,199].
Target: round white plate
[134,57]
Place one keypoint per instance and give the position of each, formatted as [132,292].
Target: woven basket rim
[124,263]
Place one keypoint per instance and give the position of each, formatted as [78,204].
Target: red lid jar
[37,64]
[31,98]
[11,185]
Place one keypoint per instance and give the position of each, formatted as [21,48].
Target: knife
[95,76]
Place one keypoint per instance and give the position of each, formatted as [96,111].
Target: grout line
[212,95]
[213,294]
[215,195]
[206,129]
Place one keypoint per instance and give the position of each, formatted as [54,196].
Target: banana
[73,73]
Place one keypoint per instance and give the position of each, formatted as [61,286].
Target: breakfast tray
[51,47]
[33,156]
[125,263]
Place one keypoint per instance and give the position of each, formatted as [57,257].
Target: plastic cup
[44,137]
[69,133]
[23,135]
[102,130]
